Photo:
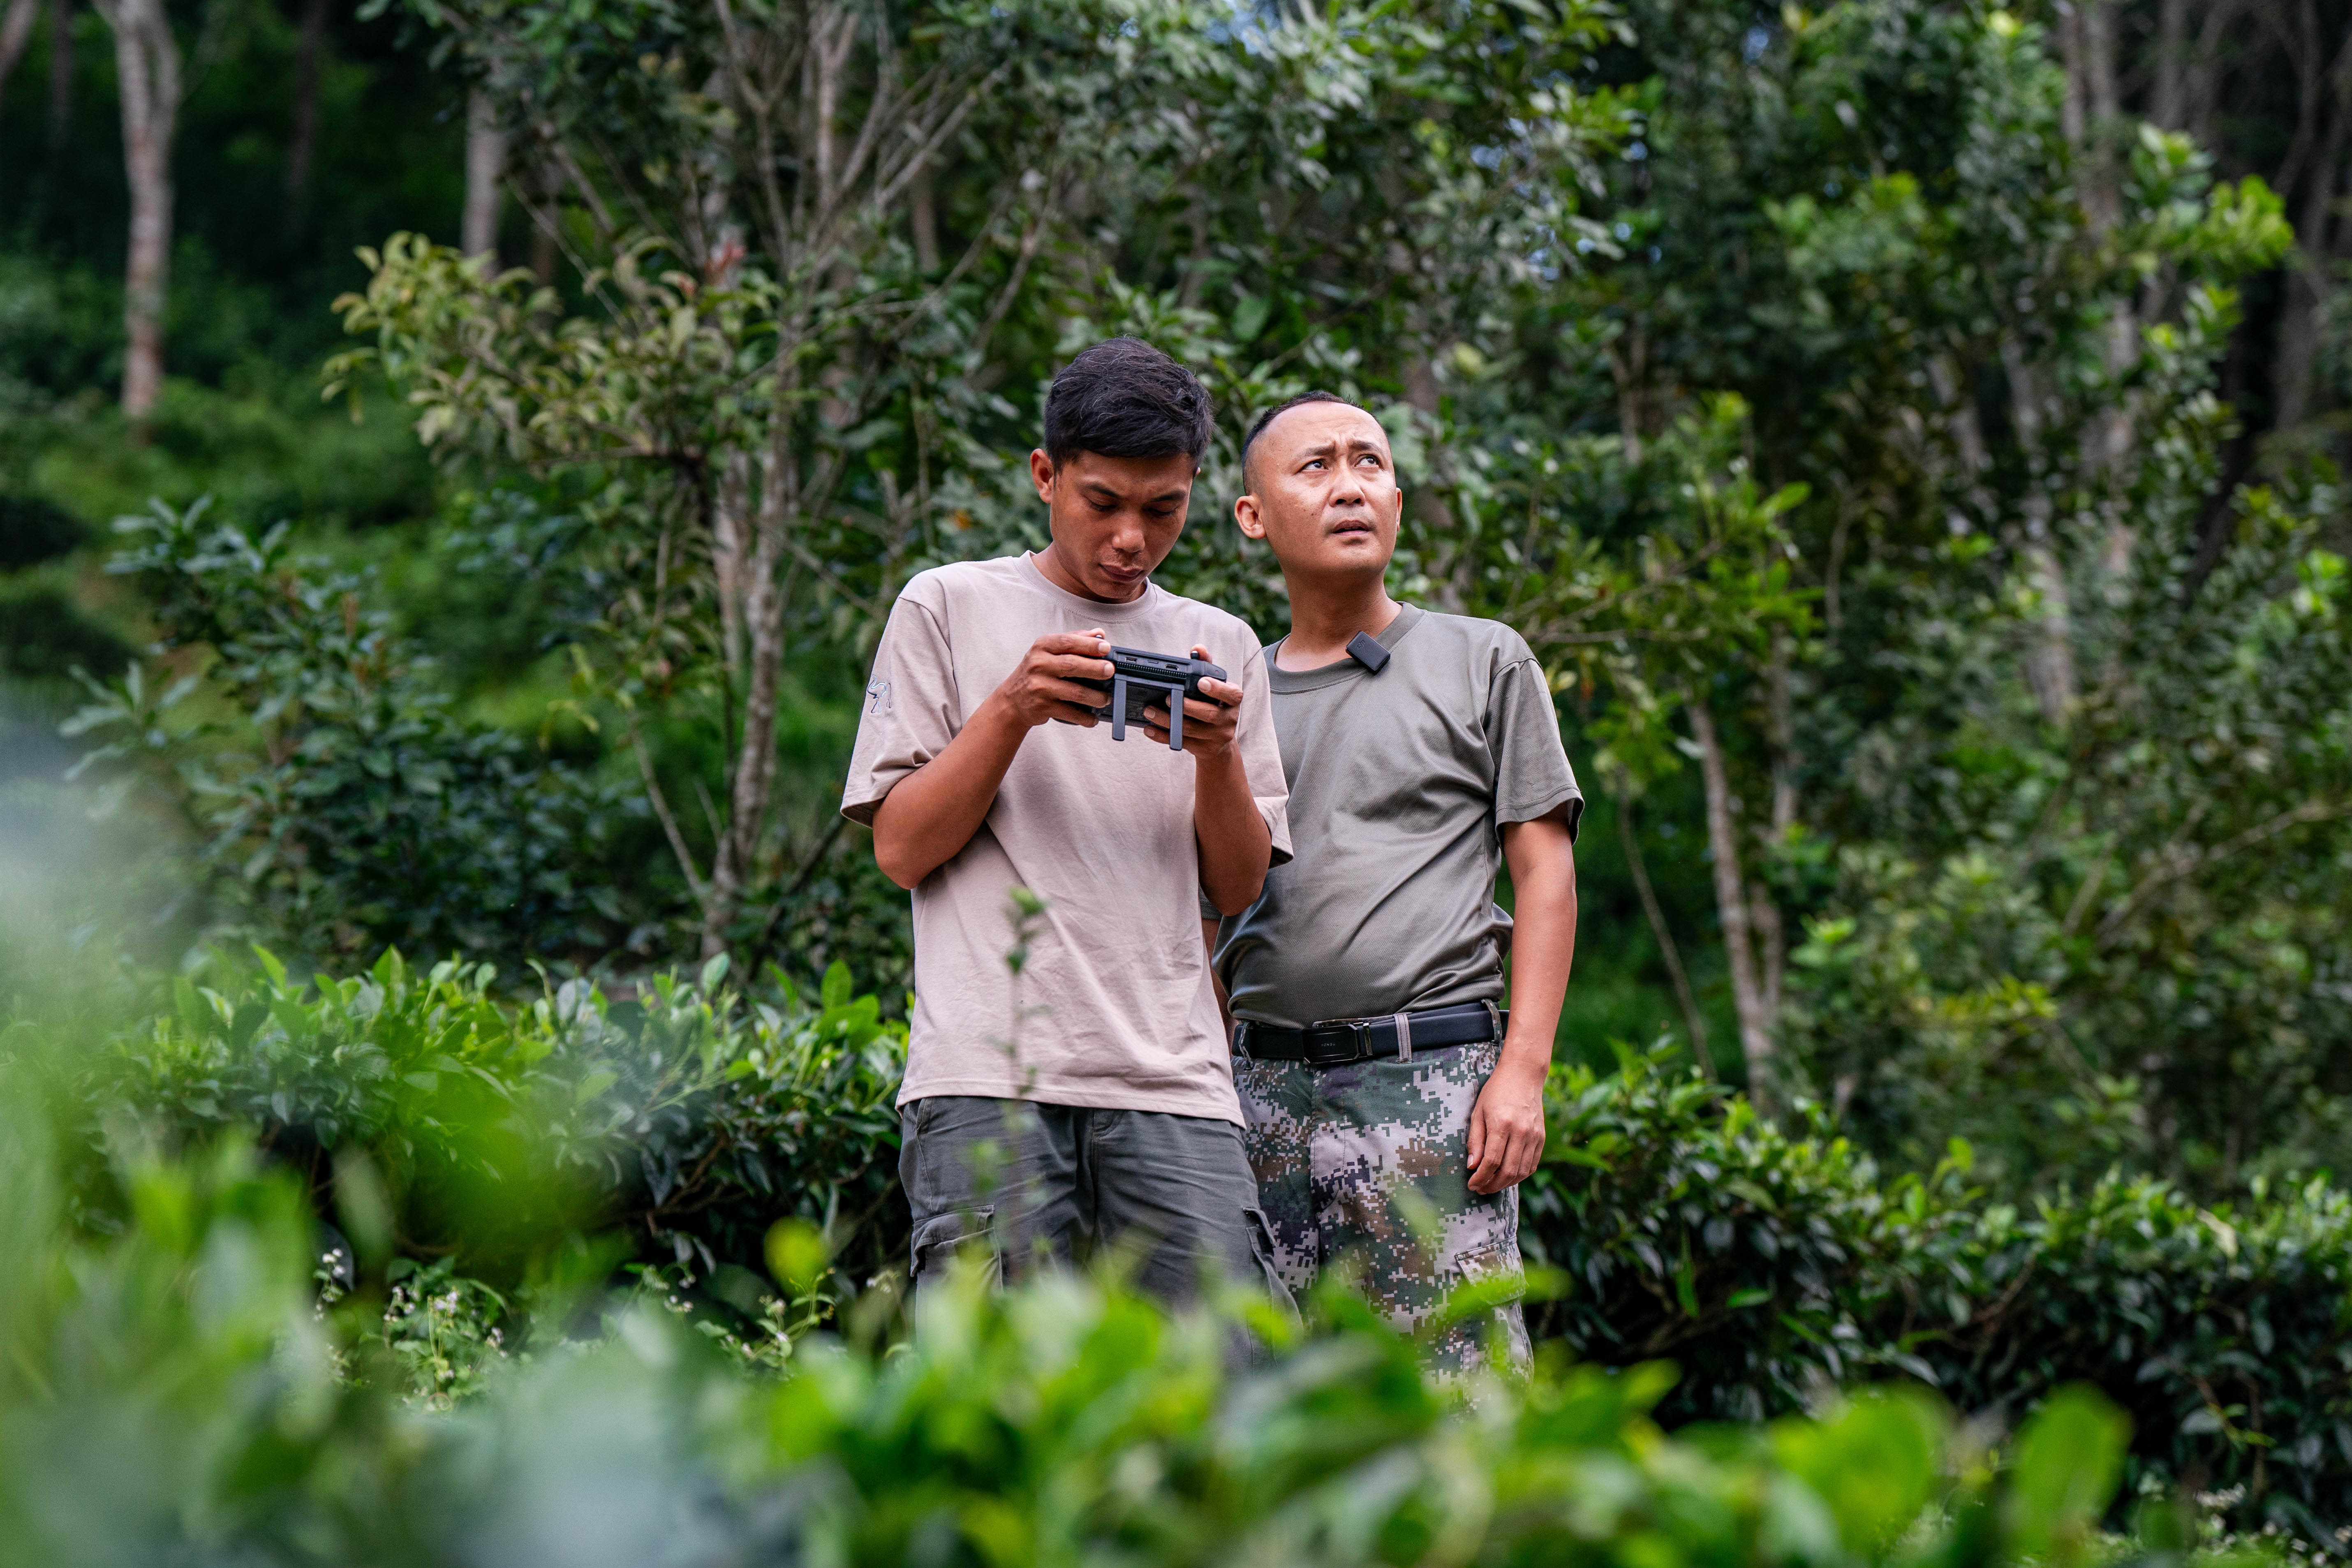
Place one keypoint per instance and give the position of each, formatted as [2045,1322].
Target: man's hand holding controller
[1209,726]
[934,810]
[1065,677]
[1044,684]
[1074,677]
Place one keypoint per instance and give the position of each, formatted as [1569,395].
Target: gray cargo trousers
[1171,1195]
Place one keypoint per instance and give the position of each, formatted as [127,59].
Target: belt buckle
[1359,1031]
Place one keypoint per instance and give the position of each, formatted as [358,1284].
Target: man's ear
[1040,472]
[1245,516]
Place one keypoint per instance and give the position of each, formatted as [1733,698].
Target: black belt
[1335,1042]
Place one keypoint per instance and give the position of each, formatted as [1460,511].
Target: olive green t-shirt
[1399,785]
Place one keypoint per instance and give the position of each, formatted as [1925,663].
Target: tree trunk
[1731,906]
[15,32]
[1667,950]
[486,165]
[1629,367]
[2168,103]
[1447,586]
[733,865]
[925,213]
[2200,77]
[2049,662]
[2310,175]
[2092,107]
[2070,55]
[62,70]
[302,145]
[147,67]
[1781,734]
[545,255]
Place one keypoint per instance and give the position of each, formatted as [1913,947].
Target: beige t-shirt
[1114,1005]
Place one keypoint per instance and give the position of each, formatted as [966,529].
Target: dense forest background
[1907,431]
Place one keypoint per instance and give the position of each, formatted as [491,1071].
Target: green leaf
[1872,1461]
[1248,318]
[796,1254]
[2069,1458]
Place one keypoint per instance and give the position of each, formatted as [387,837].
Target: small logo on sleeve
[878,699]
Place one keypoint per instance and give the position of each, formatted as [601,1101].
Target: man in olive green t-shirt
[1390,1106]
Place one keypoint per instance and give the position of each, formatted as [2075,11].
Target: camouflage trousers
[1366,1168]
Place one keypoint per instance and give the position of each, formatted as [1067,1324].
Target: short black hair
[1123,398]
[1257,427]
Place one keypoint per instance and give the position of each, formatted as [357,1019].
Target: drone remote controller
[1140,680]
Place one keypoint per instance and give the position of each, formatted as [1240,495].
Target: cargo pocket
[941,1237]
[1261,1240]
[1495,1271]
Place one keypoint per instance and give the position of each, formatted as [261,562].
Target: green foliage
[685,1116]
[342,804]
[1874,462]
[1803,373]
[2114,939]
[1823,407]
[434,1122]
[1767,1264]
[171,1393]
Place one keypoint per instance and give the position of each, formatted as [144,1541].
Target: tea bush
[683,1120]
[1769,1265]
[174,1394]
[336,797]
[681,1117]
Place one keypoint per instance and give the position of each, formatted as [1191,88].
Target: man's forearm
[1506,1125]
[932,814]
[1543,941]
[1236,847]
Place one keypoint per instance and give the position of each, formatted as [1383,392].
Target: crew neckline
[1345,667]
[1079,602]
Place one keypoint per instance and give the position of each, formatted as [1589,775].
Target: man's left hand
[1506,1127]
[1209,727]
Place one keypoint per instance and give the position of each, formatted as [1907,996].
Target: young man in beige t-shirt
[1099,1074]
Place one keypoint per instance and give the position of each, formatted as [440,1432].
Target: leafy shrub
[687,1121]
[172,1395]
[684,1117]
[347,807]
[1769,1266]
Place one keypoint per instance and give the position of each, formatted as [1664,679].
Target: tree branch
[694,879]
[1732,907]
[2178,864]
[1666,947]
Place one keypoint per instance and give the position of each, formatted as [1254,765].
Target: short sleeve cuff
[863,805]
[1277,832]
[1566,803]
